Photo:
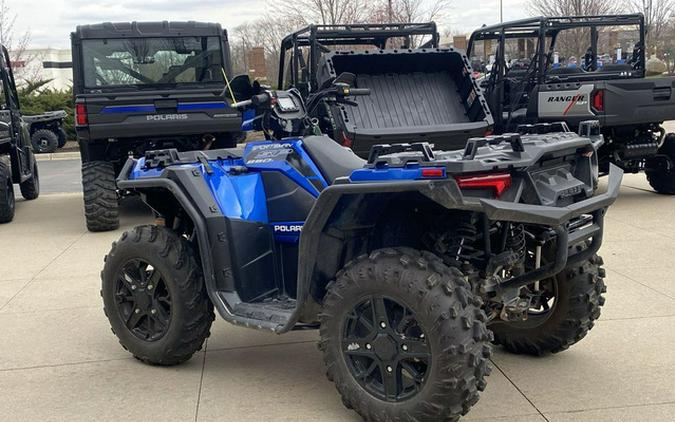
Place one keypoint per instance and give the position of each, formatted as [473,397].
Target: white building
[46,64]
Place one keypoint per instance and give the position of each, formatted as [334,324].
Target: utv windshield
[150,62]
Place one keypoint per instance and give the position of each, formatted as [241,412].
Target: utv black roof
[147,29]
[551,25]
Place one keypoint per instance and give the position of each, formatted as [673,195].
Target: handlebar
[255,100]
[358,91]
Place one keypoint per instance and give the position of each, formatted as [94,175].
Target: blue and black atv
[410,263]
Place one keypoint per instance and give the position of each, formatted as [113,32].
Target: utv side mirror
[241,87]
[345,78]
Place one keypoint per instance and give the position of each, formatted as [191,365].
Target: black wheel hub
[385,349]
[143,300]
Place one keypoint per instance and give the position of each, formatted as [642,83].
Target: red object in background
[499,182]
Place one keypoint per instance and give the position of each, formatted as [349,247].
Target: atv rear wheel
[662,179]
[404,338]
[154,296]
[44,141]
[30,188]
[572,303]
[7,200]
[101,209]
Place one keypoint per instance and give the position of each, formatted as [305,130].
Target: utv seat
[332,159]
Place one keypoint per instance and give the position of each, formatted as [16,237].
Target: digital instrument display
[286,104]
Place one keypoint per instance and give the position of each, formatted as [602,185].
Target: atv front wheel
[30,188]
[663,179]
[571,304]
[101,209]
[154,296]
[404,338]
[44,141]
[7,200]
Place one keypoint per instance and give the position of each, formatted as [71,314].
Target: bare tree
[657,15]
[575,7]
[16,44]
[574,42]
[326,12]
[408,10]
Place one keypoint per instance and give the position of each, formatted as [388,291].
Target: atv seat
[332,159]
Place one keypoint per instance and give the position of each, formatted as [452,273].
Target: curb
[58,156]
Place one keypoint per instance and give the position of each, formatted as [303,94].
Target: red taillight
[81,115]
[433,173]
[498,182]
[599,100]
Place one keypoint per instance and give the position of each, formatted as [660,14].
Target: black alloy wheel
[386,349]
[143,300]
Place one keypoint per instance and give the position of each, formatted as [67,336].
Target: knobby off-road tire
[101,209]
[578,300]
[30,188]
[63,137]
[7,200]
[44,141]
[180,278]
[448,314]
[662,180]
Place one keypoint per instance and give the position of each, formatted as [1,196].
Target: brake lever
[342,100]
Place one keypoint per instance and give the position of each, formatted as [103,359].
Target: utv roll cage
[318,38]
[503,83]
[543,27]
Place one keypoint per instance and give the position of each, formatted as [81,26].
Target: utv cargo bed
[416,94]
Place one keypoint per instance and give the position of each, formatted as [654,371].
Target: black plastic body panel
[286,200]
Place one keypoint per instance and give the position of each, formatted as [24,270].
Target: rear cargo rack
[385,149]
[473,144]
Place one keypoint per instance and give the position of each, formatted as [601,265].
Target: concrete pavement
[59,360]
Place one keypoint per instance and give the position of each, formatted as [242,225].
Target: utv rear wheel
[44,141]
[154,296]
[63,137]
[30,189]
[404,338]
[570,307]
[662,179]
[7,200]
[101,209]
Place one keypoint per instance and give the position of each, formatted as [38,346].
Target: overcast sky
[51,21]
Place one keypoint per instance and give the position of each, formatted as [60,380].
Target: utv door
[10,113]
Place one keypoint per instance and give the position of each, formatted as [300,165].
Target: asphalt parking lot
[60,361]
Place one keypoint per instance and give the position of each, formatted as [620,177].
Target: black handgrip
[359,91]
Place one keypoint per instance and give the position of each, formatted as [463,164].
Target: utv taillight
[81,115]
[497,182]
[599,100]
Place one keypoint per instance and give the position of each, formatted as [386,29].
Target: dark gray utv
[141,86]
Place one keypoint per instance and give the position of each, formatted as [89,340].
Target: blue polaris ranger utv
[409,263]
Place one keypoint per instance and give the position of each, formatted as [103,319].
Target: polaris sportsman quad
[573,69]
[406,263]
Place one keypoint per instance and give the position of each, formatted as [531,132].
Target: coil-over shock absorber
[458,242]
